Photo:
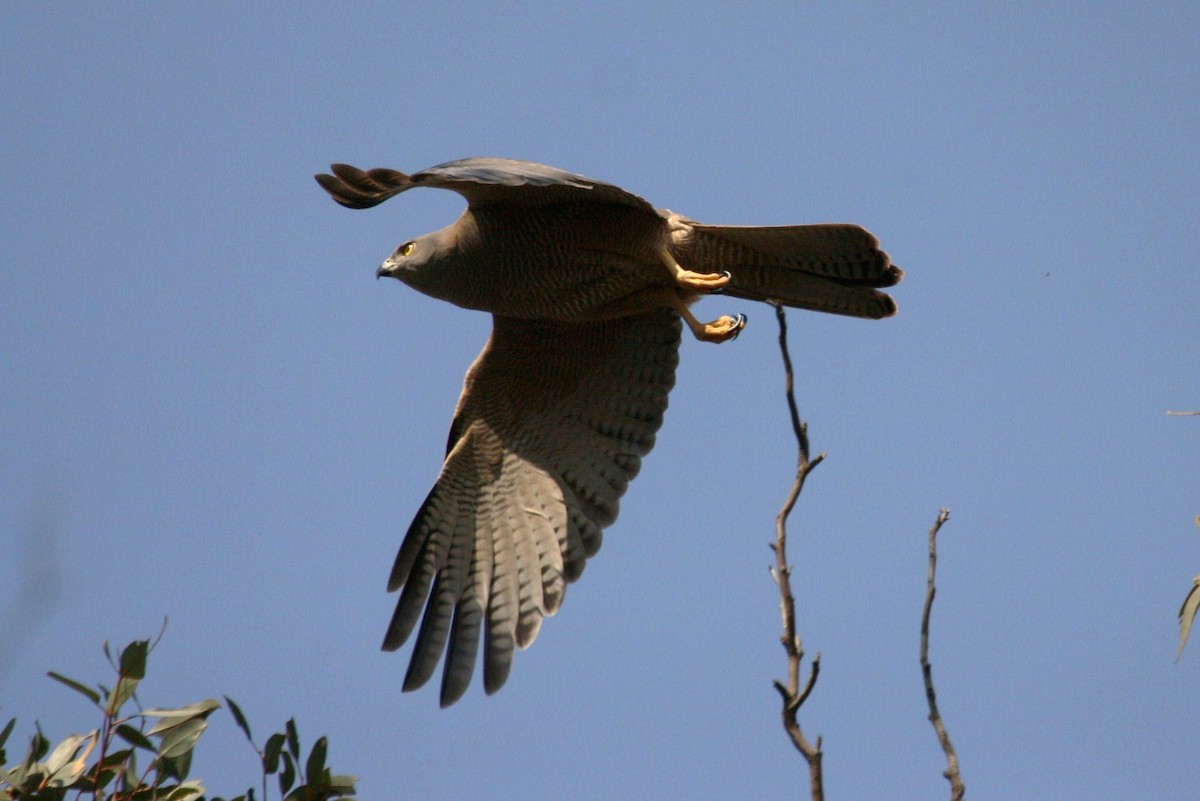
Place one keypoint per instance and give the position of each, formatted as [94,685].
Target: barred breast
[562,262]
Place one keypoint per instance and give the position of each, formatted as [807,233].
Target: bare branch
[791,694]
[1183,414]
[952,772]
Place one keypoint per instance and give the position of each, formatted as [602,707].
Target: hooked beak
[388,268]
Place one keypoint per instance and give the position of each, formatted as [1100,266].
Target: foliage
[1187,612]
[103,764]
[1191,603]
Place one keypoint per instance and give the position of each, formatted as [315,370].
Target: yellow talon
[686,279]
[722,329]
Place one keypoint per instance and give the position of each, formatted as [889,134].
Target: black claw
[741,323]
[721,289]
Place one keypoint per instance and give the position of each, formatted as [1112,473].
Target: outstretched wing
[834,267]
[550,429]
[482,181]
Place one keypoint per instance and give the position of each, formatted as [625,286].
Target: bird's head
[409,258]
[435,265]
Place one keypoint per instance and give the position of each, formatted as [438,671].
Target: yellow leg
[722,329]
[685,278]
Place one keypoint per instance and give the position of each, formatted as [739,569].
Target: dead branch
[791,694]
[951,773]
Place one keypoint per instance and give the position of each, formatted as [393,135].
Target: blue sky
[213,411]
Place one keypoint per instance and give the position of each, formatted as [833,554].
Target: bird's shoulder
[491,180]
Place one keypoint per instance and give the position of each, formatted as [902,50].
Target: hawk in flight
[587,285]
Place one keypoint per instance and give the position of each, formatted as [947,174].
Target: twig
[1183,414]
[791,694]
[951,773]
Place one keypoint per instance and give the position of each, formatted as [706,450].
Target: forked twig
[792,695]
[951,773]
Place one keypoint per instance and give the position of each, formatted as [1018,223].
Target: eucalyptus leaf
[38,745]
[316,759]
[130,774]
[293,739]
[287,776]
[239,718]
[66,775]
[18,776]
[4,736]
[271,752]
[113,765]
[65,751]
[200,708]
[126,687]
[135,737]
[301,793]
[133,659]
[1187,613]
[178,740]
[114,758]
[91,694]
[189,789]
[342,785]
[176,767]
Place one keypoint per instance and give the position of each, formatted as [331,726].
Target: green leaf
[172,717]
[271,752]
[185,790]
[97,779]
[113,765]
[133,659]
[131,670]
[239,718]
[130,775]
[1187,613]
[115,758]
[64,752]
[315,765]
[91,694]
[293,739]
[176,767]
[65,764]
[135,737]
[180,739]
[287,776]
[13,778]
[342,785]
[126,687]
[38,745]
[4,738]
[302,793]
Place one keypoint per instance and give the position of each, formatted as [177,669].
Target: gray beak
[387,268]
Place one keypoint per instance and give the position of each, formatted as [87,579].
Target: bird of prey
[587,285]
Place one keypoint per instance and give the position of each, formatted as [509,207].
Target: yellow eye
[407,248]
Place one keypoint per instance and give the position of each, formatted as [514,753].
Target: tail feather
[806,291]
[836,268]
